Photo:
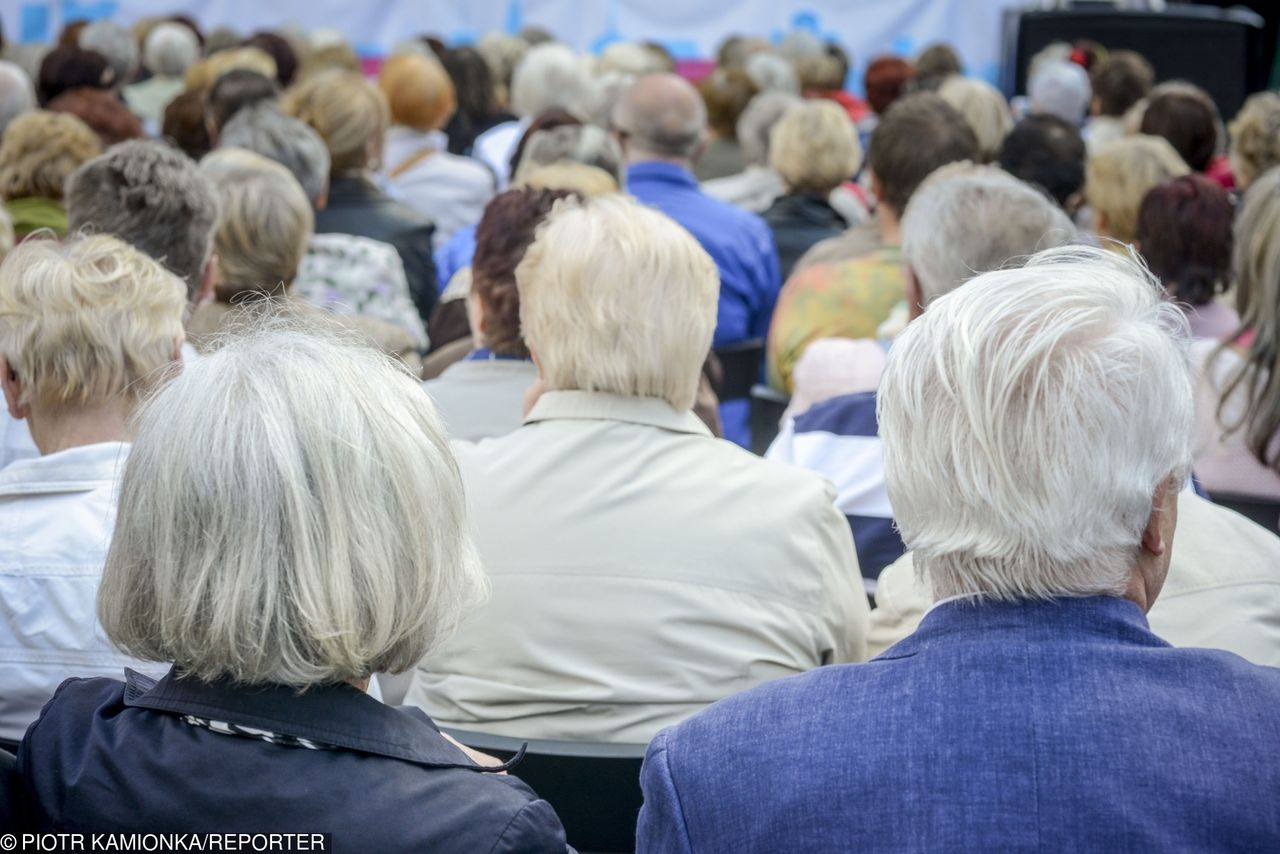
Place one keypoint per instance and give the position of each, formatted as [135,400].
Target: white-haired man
[963,221]
[1037,428]
[641,569]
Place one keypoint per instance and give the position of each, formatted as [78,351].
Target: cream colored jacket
[641,570]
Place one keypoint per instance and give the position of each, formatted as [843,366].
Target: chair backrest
[1264,511]
[741,363]
[767,408]
[594,788]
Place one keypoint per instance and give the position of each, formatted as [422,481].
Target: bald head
[661,117]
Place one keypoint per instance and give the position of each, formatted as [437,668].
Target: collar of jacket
[77,469]
[338,715]
[810,207]
[660,170]
[600,406]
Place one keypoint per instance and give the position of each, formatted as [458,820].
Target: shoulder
[846,415]
[72,708]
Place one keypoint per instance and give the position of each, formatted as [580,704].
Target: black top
[357,207]
[118,756]
[799,220]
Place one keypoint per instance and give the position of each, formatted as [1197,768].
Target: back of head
[814,148]
[87,321]
[1187,123]
[116,44]
[629,58]
[1184,234]
[1119,174]
[502,53]
[1121,80]
[184,125]
[101,110]
[472,82]
[771,73]
[1060,88]
[726,92]
[1047,152]
[663,115]
[917,135]
[616,297]
[554,118]
[265,221]
[886,80]
[152,197]
[280,51]
[348,112]
[503,236]
[338,56]
[419,92]
[264,130]
[66,68]
[17,94]
[235,90]
[548,76]
[984,108]
[270,527]
[1255,137]
[935,64]
[757,122]
[586,144]
[1040,484]
[1256,264]
[967,220]
[821,73]
[170,49]
[204,73]
[40,151]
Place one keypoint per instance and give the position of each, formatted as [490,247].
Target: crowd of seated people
[354,405]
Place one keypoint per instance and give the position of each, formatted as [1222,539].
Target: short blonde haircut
[984,109]
[39,152]
[616,297]
[206,72]
[87,320]
[813,147]
[1255,137]
[291,513]
[1120,173]
[348,112]
[264,224]
[418,90]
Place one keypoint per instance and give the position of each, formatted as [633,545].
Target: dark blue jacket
[112,756]
[1034,726]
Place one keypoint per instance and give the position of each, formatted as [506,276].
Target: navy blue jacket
[117,756]
[1033,726]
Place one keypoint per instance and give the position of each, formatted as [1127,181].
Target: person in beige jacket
[641,569]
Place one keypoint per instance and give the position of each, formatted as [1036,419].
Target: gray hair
[271,525]
[798,44]
[966,220]
[585,144]
[116,44]
[263,129]
[1060,88]
[1029,419]
[549,76]
[17,95]
[604,91]
[772,73]
[151,196]
[170,50]
[662,114]
[756,123]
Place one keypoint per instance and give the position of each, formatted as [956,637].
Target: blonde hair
[348,112]
[264,224]
[39,152]
[1255,137]
[984,109]
[87,320]
[338,56]
[206,72]
[271,525]
[569,175]
[418,90]
[616,297]
[1119,174]
[813,147]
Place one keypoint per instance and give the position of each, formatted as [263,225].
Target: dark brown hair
[1184,233]
[1187,122]
[102,111]
[184,124]
[279,49]
[1121,80]
[66,68]
[919,133]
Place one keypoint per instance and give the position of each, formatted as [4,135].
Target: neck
[890,227]
[91,426]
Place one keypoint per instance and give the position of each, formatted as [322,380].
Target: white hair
[1028,419]
[587,144]
[116,44]
[170,50]
[616,297]
[1060,88]
[604,91]
[966,220]
[290,513]
[757,121]
[772,73]
[17,95]
[629,58]
[549,76]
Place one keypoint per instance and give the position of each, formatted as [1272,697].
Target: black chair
[1264,511]
[10,810]
[594,788]
[740,364]
[767,408]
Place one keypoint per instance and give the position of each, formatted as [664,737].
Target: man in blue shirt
[661,123]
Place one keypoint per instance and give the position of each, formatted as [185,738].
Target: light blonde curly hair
[40,151]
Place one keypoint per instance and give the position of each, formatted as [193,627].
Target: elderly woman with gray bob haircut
[291,521]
